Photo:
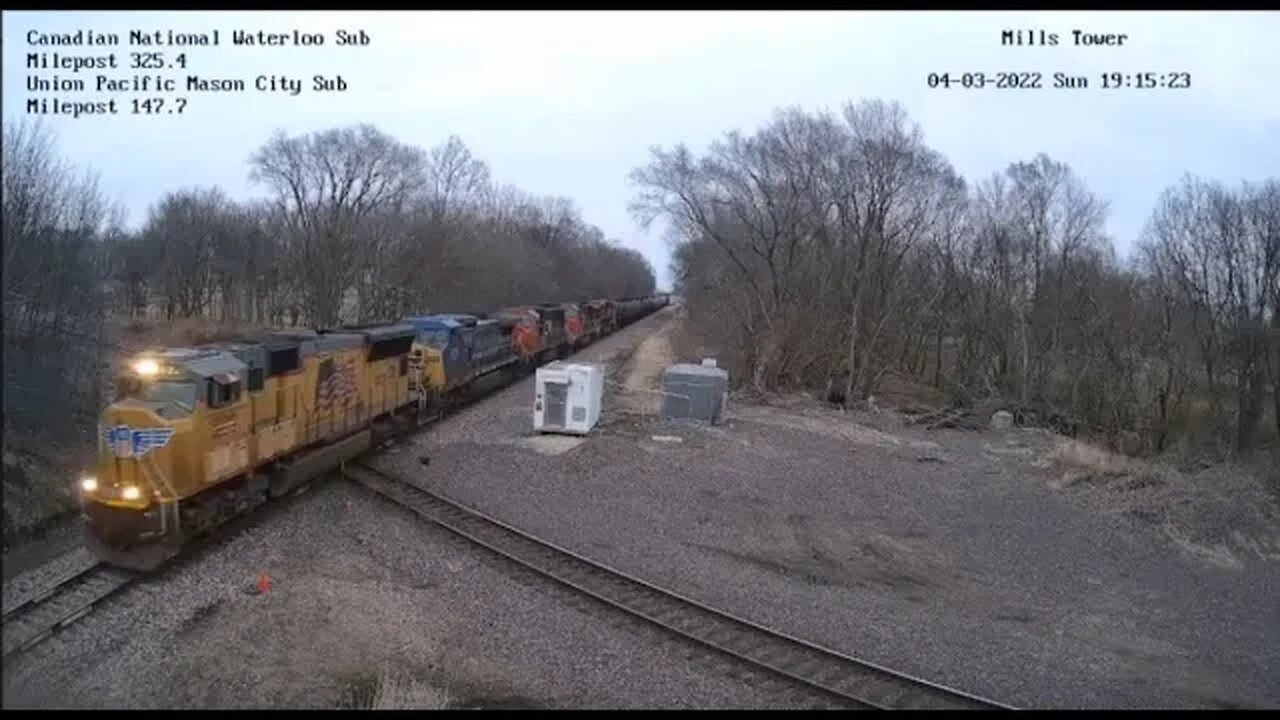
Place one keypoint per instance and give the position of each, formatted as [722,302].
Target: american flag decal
[337,383]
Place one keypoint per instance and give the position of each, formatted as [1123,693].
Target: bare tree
[748,198]
[1219,247]
[1263,221]
[825,253]
[183,237]
[54,272]
[455,179]
[327,185]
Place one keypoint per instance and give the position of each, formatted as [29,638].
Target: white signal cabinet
[567,397]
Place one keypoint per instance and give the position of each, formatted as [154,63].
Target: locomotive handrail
[152,470]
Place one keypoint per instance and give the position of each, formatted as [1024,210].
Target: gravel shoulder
[962,557]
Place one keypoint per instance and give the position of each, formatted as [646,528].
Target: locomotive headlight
[146,367]
[89,484]
[131,492]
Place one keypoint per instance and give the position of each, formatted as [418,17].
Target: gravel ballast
[359,590]
[954,556]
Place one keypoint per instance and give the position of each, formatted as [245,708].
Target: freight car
[631,309]
[198,436]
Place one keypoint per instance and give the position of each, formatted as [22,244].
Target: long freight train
[198,436]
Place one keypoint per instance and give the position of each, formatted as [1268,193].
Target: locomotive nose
[131,454]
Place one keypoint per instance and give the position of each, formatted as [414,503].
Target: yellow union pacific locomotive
[197,436]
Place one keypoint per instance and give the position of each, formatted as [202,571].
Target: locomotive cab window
[390,347]
[171,393]
[434,338]
[255,379]
[223,391]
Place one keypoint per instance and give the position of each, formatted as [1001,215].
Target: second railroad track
[28,623]
[827,673]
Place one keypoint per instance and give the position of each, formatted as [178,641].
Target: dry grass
[1073,455]
[896,391]
[136,334]
[1222,514]
[397,691]
[691,346]
[642,383]
[800,412]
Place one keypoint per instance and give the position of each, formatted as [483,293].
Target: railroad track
[35,616]
[827,673]
[34,583]
[31,621]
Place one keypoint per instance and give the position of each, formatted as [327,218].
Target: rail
[826,673]
[32,621]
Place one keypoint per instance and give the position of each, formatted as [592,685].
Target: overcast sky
[567,103]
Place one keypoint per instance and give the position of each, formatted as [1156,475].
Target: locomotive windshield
[182,394]
[434,338]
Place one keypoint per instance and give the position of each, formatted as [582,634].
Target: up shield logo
[127,442]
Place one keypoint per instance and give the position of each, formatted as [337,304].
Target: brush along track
[36,618]
[830,674]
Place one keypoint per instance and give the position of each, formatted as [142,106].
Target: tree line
[825,250]
[357,226]
[353,226]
